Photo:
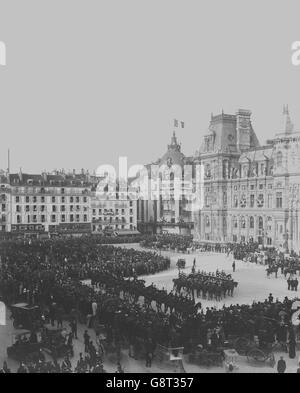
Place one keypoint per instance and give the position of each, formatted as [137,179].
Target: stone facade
[251,191]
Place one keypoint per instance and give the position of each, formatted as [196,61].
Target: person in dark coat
[86,339]
[281,365]
[73,325]
[270,298]
[292,344]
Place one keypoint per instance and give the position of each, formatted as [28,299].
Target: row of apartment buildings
[60,203]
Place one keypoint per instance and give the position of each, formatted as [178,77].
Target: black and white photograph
[149,189]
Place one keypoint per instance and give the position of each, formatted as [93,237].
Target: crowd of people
[277,262]
[168,242]
[84,366]
[53,273]
[35,269]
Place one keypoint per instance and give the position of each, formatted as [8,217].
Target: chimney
[243,129]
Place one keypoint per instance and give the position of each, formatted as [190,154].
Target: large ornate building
[167,213]
[251,192]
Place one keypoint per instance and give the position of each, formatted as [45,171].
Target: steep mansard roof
[44,180]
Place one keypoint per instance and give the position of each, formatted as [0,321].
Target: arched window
[260,223]
[279,159]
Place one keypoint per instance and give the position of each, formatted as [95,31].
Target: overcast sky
[89,80]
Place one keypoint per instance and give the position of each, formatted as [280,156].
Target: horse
[272,269]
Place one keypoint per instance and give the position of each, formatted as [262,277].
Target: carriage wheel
[256,355]
[241,345]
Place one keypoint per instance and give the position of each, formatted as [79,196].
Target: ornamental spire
[288,126]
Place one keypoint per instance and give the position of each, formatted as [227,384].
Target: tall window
[235,223]
[225,198]
[270,201]
[251,222]
[235,201]
[207,221]
[278,200]
[243,222]
[269,223]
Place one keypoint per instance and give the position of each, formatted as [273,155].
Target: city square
[149,190]
[102,278]
[253,286]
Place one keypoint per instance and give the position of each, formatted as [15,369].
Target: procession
[54,288]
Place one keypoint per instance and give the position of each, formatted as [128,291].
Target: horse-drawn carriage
[181,263]
[23,348]
[253,349]
[54,343]
[207,357]
[26,317]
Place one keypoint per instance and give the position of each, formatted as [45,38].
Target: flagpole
[8,161]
